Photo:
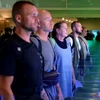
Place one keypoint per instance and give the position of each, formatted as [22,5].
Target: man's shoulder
[70,35]
[35,39]
[13,40]
[70,39]
[12,43]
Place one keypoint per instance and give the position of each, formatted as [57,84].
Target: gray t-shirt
[47,52]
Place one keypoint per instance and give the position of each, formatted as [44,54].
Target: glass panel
[83,3]
[50,3]
[7,3]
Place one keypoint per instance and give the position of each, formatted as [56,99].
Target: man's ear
[74,29]
[18,18]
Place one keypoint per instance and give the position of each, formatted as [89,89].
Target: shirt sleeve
[7,60]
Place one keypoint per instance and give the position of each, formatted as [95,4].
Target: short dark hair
[83,28]
[17,8]
[73,24]
[56,26]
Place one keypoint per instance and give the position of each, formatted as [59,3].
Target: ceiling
[59,8]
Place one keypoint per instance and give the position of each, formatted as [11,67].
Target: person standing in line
[64,59]
[87,56]
[20,62]
[53,91]
[84,42]
[77,50]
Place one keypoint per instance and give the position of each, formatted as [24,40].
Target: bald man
[45,27]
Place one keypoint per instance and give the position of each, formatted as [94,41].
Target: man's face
[84,32]
[46,22]
[29,19]
[63,30]
[78,28]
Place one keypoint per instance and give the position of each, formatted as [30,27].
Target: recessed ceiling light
[63,18]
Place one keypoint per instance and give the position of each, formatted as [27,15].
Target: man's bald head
[45,20]
[42,13]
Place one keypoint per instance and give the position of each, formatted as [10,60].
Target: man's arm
[5,87]
[59,92]
[73,76]
[44,95]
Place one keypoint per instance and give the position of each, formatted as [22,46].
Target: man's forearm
[58,88]
[44,95]
[7,95]
[73,74]
[60,96]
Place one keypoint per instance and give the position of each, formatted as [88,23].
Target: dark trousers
[28,93]
[33,97]
[78,76]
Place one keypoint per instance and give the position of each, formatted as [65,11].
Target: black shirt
[21,60]
[61,44]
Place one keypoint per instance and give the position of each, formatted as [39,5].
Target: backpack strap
[39,48]
[72,37]
[53,43]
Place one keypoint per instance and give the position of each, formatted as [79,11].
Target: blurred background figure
[84,32]
[86,51]
[5,36]
[89,35]
[98,36]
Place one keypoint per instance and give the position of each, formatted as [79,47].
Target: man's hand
[81,71]
[5,87]
[44,95]
[59,92]
[60,96]
[74,81]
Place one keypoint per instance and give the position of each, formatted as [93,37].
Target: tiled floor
[91,84]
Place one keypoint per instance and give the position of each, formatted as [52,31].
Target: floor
[91,84]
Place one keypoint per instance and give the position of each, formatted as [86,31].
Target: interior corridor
[91,84]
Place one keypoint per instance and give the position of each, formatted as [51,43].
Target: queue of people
[25,59]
